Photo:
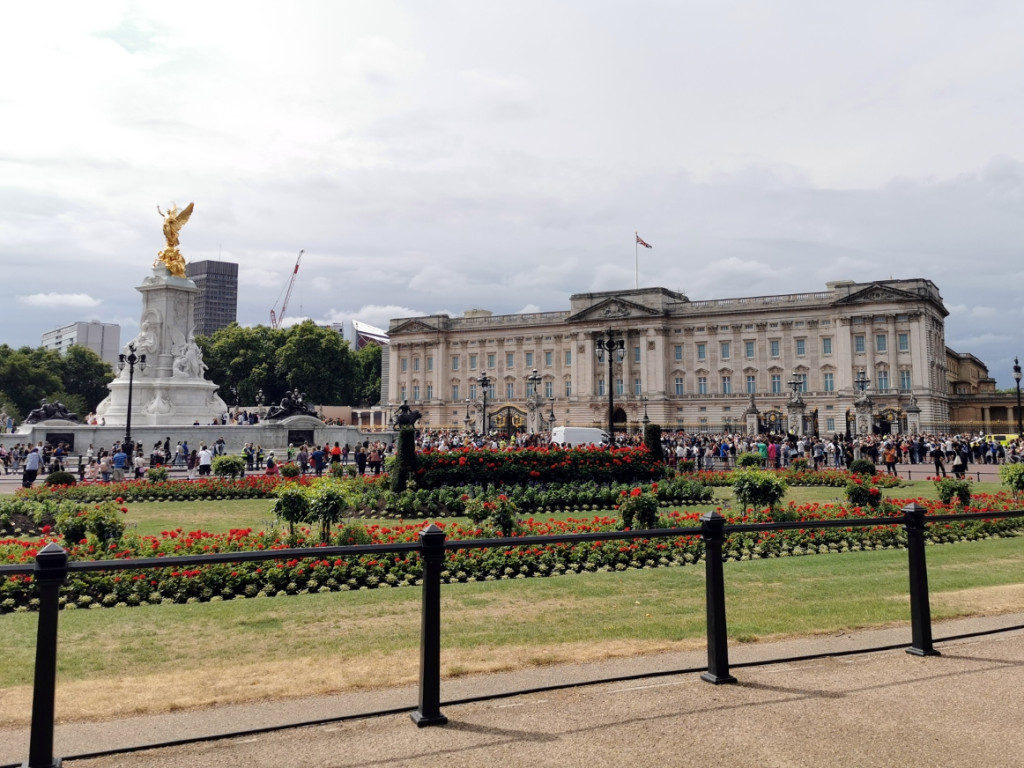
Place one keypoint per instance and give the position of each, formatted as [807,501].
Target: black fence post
[920,610]
[51,571]
[432,552]
[713,532]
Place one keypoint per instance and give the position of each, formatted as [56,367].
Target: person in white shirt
[205,460]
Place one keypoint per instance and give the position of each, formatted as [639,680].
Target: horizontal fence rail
[52,567]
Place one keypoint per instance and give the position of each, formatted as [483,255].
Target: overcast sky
[440,156]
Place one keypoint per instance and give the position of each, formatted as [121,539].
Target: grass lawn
[161,658]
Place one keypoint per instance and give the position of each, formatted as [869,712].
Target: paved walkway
[885,708]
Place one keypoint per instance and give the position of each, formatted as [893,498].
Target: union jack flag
[640,241]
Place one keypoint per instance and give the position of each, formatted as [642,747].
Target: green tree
[317,362]
[367,375]
[85,375]
[28,375]
[242,361]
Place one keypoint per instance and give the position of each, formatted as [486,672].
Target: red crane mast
[287,294]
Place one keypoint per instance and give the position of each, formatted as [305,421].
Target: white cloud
[81,300]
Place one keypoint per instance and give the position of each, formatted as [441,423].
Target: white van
[577,436]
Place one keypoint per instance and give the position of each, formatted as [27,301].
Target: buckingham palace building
[874,349]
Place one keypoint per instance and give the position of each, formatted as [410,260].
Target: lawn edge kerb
[289,577]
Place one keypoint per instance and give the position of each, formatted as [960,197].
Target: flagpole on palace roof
[636,260]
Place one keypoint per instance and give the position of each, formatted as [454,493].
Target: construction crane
[287,294]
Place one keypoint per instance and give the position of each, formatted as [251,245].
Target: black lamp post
[616,351]
[533,395]
[796,383]
[862,382]
[1016,377]
[131,360]
[484,381]
[646,420]
[551,414]
[465,421]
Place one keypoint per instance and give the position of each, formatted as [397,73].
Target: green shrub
[354,533]
[756,488]
[863,494]
[405,459]
[798,465]
[157,474]
[290,470]
[327,503]
[751,460]
[292,505]
[1012,476]
[59,478]
[639,508]
[652,439]
[862,467]
[104,521]
[951,487]
[229,466]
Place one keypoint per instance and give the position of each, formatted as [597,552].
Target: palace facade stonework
[694,365]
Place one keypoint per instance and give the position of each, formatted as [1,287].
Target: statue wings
[182,218]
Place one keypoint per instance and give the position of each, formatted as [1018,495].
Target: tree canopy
[78,379]
[307,357]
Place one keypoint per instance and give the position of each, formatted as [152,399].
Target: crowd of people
[943,454]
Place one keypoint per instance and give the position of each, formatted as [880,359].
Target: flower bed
[248,487]
[222,582]
[436,469]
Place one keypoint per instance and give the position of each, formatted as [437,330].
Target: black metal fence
[52,567]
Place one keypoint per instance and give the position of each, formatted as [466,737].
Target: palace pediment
[613,309]
[877,293]
[412,326]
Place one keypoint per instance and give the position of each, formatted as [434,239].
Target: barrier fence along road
[52,567]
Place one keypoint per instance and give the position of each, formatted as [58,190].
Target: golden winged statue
[170,256]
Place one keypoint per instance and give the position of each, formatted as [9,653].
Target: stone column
[863,419]
[795,416]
